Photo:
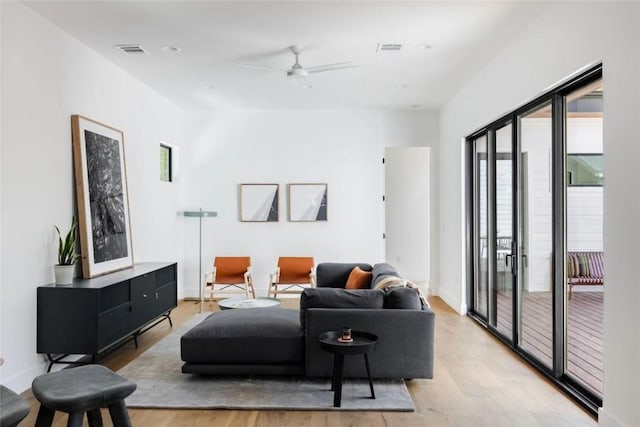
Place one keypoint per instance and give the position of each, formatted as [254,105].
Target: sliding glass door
[535,203]
[503,291]
[535,234]
[584,187]
[481,227]
[494,225]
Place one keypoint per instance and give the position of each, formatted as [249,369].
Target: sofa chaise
[279,341]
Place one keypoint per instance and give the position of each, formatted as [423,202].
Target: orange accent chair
[228,272]
[293,274]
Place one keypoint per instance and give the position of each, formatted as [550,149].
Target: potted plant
[67,256]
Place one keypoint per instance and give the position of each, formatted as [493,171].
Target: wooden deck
[584,332]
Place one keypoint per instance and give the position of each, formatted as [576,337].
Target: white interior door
[407,206]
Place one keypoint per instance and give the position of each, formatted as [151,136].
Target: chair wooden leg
[75,419]
[45,417]
[202,292]
[94,417]
[119,414]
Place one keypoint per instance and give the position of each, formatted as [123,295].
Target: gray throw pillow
[402,298]
[339,298]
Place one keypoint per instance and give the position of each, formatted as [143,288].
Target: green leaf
[67,248]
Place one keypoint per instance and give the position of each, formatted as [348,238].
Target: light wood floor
[478,382]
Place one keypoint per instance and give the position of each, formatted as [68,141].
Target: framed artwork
[259,202]
[103,204]
[307,202]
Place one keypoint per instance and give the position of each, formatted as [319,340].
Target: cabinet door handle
[144,295]
[156,295]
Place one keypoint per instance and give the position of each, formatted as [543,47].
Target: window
[584,170]
[165,163]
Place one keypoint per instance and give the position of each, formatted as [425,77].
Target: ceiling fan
[298,71]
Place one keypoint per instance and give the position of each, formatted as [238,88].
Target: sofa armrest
[405,346]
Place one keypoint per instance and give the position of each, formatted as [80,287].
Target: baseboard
[193,294]
[605,419]
[453,302]
[21,381]
[463,309]
[259,293]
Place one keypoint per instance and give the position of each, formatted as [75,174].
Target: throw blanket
[388,282]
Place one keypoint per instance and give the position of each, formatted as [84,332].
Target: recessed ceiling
[214,37]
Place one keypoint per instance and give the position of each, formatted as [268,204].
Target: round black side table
[363,343]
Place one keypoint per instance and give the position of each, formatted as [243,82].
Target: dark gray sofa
[278,341]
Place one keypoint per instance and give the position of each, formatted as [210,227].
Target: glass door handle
[514,267]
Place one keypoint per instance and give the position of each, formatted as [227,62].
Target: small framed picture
[259,202]
[103,202]
[307,202]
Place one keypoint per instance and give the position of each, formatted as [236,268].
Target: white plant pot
[64,274]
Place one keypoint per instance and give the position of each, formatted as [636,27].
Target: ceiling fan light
[297,73]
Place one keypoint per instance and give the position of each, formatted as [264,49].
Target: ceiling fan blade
[260,67]
[330,67]
[336,64]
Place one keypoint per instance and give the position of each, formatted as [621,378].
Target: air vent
[389,47]
[132,49]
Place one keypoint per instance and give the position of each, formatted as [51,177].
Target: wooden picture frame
[259,202]
[307,202]
[103,202]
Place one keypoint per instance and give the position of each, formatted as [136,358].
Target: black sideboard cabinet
[91,316]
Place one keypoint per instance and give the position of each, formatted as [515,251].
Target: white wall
[585,204]
[46,77]
[536,143]
[343,148]
[566,37]
[585,222]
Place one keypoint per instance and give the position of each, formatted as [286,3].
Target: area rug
[162,385]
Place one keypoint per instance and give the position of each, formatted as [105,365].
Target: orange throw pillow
[358,279]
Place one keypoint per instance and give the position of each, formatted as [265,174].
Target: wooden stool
[79,390]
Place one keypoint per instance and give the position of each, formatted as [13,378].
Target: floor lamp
[200,214]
